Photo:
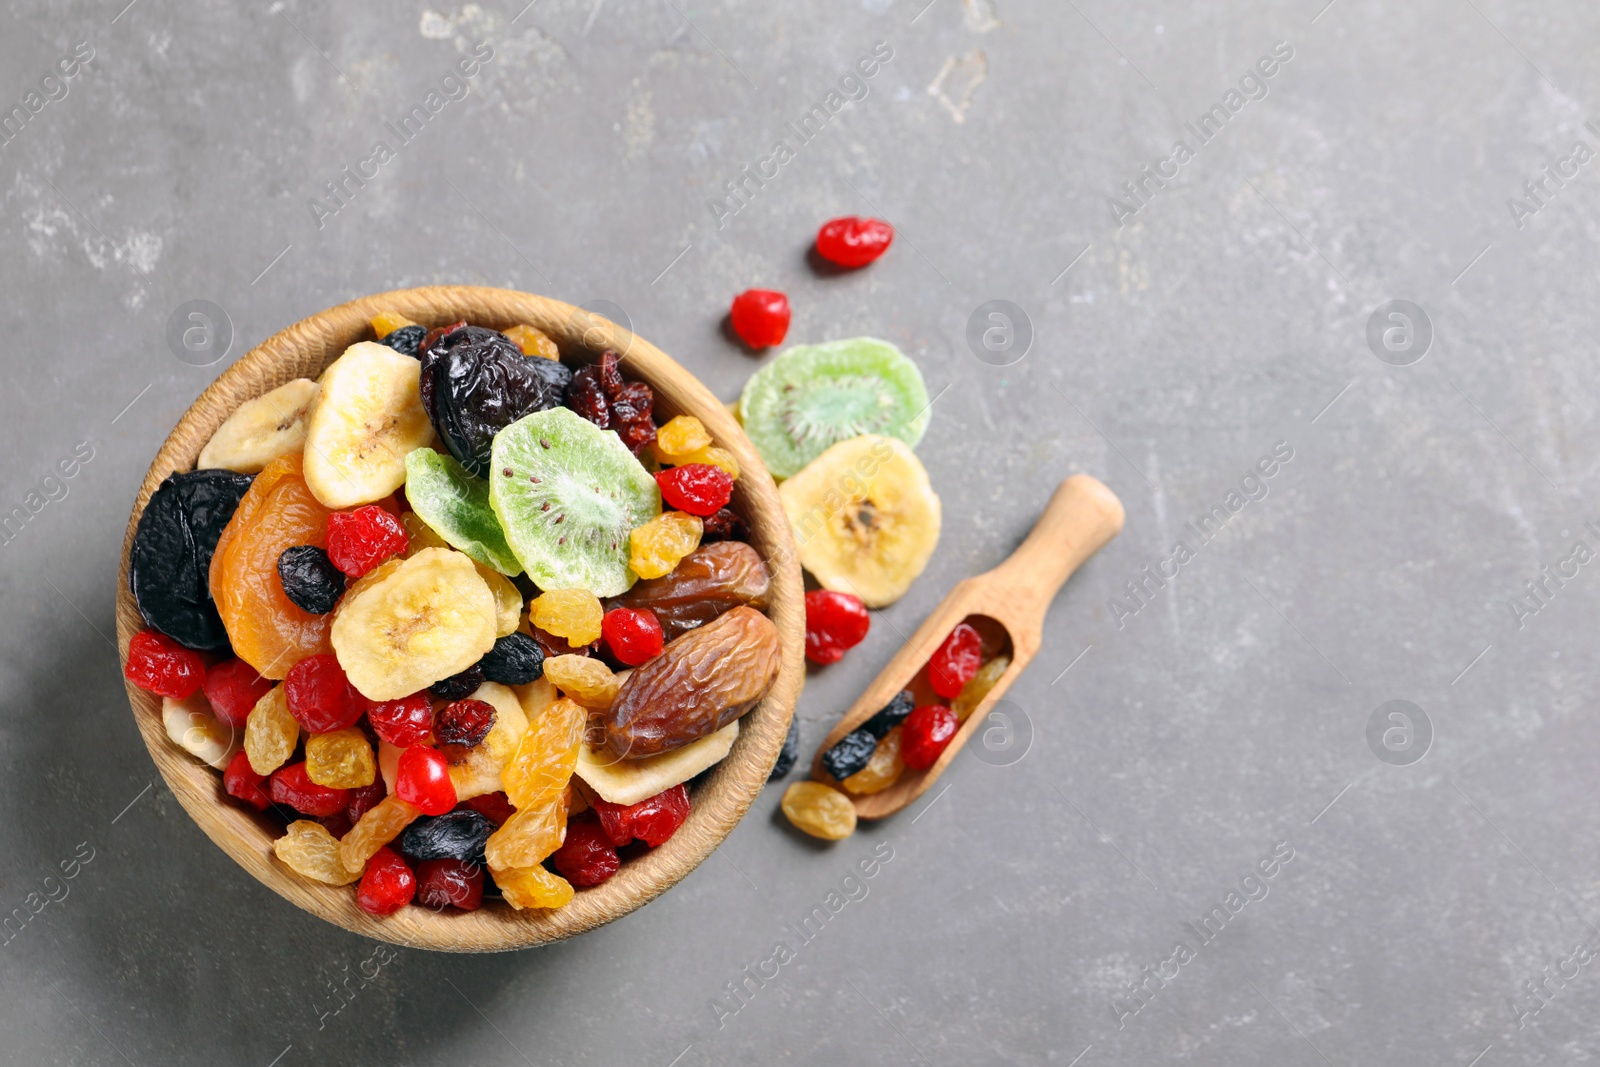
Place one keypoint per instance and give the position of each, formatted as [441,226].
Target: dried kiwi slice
[456,506]
[814,396]
[568,494]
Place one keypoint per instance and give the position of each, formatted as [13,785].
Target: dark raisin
[310,580]
[169,564]
[515,659]
[586,396]
[458,686]
[406,340]
[476,382]
[890,715]
[725,525]
[455,835]
[849,755]
[790,751]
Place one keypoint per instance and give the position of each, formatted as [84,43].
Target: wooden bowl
[302,351]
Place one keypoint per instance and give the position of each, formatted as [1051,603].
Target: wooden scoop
[1007,606]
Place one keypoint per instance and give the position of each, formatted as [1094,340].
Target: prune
[455,835]
[700,683]
[476,382]
[789,753]
[460,685]
[170,563]
[515,659]
[406,340]
[707,582]
[849,754]
[891,714]
[725,525]
[310,580]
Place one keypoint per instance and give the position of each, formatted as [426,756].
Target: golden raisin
[679,437]
[546,756]
[584,679]
[573,614]
[717,457]
[386,322]
[881,771]
[534,342]
[978,687]
[525,839]
[532,887]
[819,810]
[656,547]
[381,824]
[341,759]
[270,732]
[312,852]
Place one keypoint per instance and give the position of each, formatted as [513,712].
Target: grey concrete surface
[1157,758]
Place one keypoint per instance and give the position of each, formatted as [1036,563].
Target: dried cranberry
[423,778]
[364,799]
[388,885]
[461,725]
[835,622]
[158,663]
[698,488]
[633,401]
[926,733]
[241,781]
[652,821]
[359,540]
[496,807]
[404,722]
[725,525]
[449,883]
[232,688]
[610,367]
[955,661]
[587,397]
[310,580]
[587,856]
[291,785]
[853,241]
[338,824]
[320,697]
[760,317]
[632,635]
[460,685]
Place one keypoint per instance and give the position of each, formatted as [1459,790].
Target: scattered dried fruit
[973,693]
[849,754]
[883,769]
[760,317]
[819,810]
[853,241]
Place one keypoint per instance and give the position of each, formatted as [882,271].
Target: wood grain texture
[1082,516]
[302,351]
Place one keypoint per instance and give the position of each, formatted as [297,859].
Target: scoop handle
[1082,516]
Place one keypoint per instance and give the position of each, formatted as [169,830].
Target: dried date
[707,582]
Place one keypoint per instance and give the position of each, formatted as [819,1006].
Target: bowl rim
[303,350]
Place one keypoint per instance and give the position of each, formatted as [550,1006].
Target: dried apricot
[656,547]
[341,759]
[574,614]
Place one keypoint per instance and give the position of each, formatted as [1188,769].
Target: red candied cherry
[291,785]
[449,883]
[496,807]
[853,241]
[359,540]
[633,635]
[587,856]
[926,734]
[698,488]
[364,800]
[955,661]
[388,884]
[652,821]
[158,663]
[404,722]
[320,697]
[760,317]
[835,623]
[232,688]
[423,778]
[242,782]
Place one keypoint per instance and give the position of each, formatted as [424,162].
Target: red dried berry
[633,401]
[388,885]
[652,821]
[835,622]
[232,688]
[423,778]
[320,697]
[338,824]
[291,785]
[610,373]
[698,488]
[725,525]
[587,856]
[496,807]
[586,396]
[449,883]
[633,635]
[853,241]
[364,799]
[760,317]
[404,722]
[242,782]
[955,661]
[461,725]
[158,663]
[432,337]
[925,734]
[359,540]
